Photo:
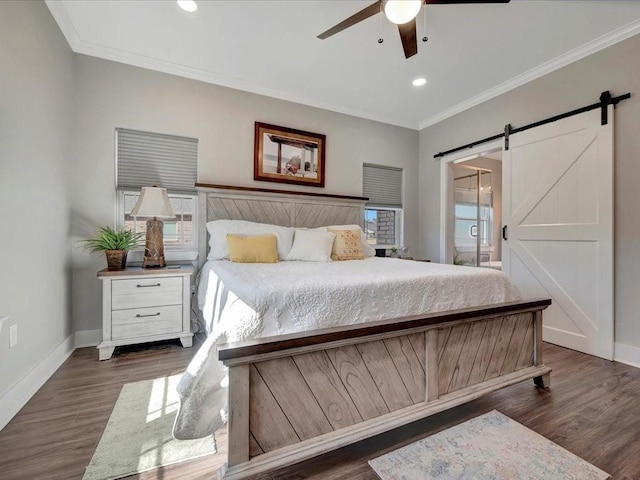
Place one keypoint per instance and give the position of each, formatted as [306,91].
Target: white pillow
[367,250]
[218,230]
[311,246]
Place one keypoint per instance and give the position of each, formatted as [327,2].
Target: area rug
[138,436]
[491,446]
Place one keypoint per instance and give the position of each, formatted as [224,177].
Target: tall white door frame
[447,192]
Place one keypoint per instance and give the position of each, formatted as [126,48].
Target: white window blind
[383,186]
[145,159]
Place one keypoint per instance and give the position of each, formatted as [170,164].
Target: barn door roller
[605,100]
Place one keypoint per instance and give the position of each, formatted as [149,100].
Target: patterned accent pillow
[346,246]
[367,250]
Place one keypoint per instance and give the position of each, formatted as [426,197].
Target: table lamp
[153,203]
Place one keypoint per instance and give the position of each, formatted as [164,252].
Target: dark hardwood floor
[592,409]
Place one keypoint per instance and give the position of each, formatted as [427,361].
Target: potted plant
[115,244]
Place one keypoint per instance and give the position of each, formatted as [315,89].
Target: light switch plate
[2,320]
[13,335]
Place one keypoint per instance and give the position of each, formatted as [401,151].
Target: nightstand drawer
[147,292]
[135,286]
[139,322]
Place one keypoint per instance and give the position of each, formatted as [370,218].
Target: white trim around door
[446,192]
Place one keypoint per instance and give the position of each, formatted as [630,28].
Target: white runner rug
[138,436]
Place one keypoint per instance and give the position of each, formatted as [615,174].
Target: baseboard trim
[88,338]
[17,397]
[627,354]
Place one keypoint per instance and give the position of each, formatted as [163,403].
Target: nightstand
[145,305]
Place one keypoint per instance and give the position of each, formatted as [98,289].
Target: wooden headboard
[278,207]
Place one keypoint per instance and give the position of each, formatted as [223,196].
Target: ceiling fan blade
[363,14]
[409,38]
[453,2]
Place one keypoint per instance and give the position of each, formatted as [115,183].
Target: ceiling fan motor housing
[401,12]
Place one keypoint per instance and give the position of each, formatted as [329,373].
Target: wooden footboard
[297,396]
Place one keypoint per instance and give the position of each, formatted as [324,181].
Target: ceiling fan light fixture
[188,5]
[401,11]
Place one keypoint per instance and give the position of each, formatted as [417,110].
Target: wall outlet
[13,335]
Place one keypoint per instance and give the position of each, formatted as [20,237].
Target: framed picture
[288,156]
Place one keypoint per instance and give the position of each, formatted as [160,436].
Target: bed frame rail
[294,397]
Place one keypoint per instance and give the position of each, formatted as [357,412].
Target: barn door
[558,212]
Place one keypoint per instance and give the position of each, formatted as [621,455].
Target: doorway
[471,215]
[557,219]
[477,195]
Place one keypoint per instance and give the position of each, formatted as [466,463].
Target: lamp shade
[402,11]
[153,202]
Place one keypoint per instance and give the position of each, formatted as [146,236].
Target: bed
[329,354]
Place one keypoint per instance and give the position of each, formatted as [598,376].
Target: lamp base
[154,262]
[154,246]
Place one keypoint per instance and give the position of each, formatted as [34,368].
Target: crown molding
[87,48]
[574,55]
[149,63]
[61,16]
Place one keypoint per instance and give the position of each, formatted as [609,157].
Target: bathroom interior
[478,212]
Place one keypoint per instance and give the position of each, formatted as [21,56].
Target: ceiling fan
[401,12]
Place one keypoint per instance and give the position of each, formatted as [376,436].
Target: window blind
[383,186]
[145,159]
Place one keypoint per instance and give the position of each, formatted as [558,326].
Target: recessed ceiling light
[188,5]
[418,82]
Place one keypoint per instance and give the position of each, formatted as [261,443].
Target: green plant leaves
[106,238]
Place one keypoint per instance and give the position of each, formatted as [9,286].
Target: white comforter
[242,301]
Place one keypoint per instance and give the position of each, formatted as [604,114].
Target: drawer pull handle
[139,315]
[145,286]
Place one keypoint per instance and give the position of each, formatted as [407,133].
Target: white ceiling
[270,47]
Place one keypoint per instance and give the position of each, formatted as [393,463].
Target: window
[382,226]
[146,159]
[178,232]
[466,225]
[383,212]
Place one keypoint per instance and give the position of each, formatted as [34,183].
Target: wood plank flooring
[592,409]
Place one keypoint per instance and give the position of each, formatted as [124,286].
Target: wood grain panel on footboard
[487,349]
[320,392]
[310,393]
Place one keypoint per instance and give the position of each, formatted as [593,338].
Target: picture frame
[287,155]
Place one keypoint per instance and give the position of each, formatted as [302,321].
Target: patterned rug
[138,436]
[488,447]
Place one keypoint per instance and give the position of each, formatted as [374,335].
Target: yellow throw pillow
[346,246]
[253,249]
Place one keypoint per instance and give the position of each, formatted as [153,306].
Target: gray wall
[617,69]
[111,95]
[36,81]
